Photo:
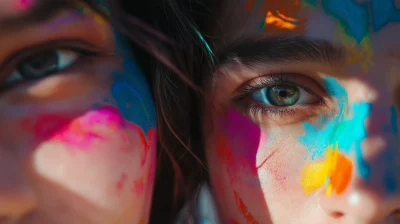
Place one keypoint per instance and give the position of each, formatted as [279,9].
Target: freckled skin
[362,121]
[74,156]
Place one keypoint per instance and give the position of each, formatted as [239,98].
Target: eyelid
[295,79]
[77,45]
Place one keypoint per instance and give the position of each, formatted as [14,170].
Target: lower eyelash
[280,111]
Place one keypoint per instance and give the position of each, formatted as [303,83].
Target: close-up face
[78,124]
[302,120]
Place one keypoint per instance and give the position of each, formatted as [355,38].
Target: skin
[79,144]
[259,163]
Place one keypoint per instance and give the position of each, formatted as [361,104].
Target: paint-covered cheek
[99,148]
[236,140]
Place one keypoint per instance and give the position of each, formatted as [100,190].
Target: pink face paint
[121,182]
[238,148]
[138,186]
[82,131]
[22,5]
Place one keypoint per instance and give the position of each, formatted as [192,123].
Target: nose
[16,199]
[372,198]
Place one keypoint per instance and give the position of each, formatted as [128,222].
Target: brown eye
[42,64]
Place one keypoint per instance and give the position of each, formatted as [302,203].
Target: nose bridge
[16,198]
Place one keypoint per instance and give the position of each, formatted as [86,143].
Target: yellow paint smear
[336,169]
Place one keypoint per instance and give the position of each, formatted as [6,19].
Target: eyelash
[271,80]
[12,63]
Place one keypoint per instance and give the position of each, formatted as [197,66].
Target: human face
[77,143]
[304,112]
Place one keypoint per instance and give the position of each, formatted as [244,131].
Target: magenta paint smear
[237,146]
[22,5]
[79,132]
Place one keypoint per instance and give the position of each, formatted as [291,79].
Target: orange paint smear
[341,176]
[336,169]
[283,15]
[243,209]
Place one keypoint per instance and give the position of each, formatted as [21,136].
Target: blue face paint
[324,136]
[347,132]
[383,12]
[353,17]
[131,91]
[393,169]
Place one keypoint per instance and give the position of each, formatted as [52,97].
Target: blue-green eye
[42,64]
[283,95]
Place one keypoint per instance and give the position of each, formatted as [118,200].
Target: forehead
[377,20]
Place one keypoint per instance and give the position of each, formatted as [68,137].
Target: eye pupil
[283,95]
[40,65]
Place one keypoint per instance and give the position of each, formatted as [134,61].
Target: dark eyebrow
[253,51]
[41,11]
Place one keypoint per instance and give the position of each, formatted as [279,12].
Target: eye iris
[283,95]
[39,65]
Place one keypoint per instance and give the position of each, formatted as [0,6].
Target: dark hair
[173,63]
[180,99]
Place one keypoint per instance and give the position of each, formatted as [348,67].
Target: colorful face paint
[243,209]
[130,90]
[79,132]
[346,133]
[383,12]
[336,171]
[22,5]
[84,9]
[281,15]
[353,16]
[357,53]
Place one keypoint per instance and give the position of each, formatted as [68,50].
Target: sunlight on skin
[344,145]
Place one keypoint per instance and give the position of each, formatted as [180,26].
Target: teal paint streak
[383,12]
[353,17]
[131,91]
[316,139]
[210,52]
[347,132]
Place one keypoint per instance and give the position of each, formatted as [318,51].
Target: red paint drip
[244,210]
[121,182]
[138,186]
[225,153]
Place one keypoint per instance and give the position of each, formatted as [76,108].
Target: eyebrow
[41,11]
[254,51]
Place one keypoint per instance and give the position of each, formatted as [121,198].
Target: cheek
[236,142]
[97,149]
[280,164]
